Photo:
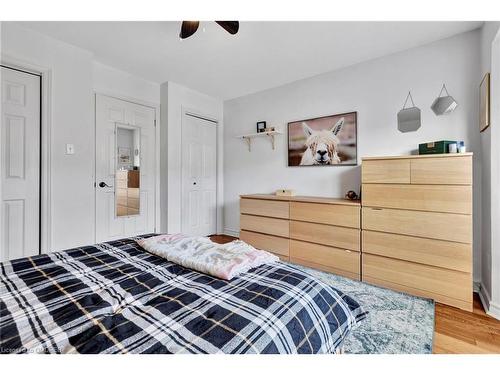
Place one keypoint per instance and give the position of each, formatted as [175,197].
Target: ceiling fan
[188,28]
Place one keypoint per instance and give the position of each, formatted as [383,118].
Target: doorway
[20,160]
[199,175]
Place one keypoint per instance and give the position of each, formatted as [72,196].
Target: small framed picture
[484,103]
[261,126]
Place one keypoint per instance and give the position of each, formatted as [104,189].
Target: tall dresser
[322,233]
[417,225]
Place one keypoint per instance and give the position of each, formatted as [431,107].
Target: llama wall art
[323,141]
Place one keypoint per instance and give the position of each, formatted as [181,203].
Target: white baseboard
[494,310]
[491,308]
[484,297]
[476,286]
[231,232]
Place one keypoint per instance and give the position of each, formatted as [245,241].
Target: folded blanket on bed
[201,254]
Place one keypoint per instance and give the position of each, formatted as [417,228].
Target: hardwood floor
[455,331]
[458,331]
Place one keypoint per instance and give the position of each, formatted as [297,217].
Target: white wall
[376,90]
[108,80]
[490,262]
[74,76]
[488,33]
[175,99]
[71,121]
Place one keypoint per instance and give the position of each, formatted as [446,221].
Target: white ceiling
[262,55]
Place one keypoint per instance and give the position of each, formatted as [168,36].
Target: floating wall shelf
[248,137]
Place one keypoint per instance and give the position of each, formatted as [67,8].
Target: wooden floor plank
[455,331]
[453,345]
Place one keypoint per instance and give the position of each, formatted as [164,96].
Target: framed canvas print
[323,141]
[484,103]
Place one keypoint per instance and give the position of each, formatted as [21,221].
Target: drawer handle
[377,209]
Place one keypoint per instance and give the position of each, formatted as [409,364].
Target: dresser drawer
[437,225]
[438,198]
[264,207]
[455,170]
[345,238]
[276,245]
[451,255]
[437,283]
[344,262]
[333,214]
[267,225]
[385,171]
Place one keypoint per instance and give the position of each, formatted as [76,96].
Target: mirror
[409,118]
[128,176]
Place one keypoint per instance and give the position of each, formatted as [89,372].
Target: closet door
[199,176]
[20,164]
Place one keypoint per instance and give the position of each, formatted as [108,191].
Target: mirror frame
[123,125]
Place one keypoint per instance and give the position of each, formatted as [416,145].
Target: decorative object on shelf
[484,103]
[261,126]
[443,105]
[285,192]
[452,148]
[351,194]
[323,141]
[409,118]
[437,147]
[461,147]
[268,134]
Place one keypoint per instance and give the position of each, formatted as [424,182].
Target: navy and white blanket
[117,298]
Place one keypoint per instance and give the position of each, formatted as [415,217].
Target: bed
[115,297]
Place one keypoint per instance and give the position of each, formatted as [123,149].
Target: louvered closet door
[20,164]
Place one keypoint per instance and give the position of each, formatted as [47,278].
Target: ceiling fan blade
[231,27]
[188,28]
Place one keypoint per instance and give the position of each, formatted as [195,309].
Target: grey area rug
[397,323]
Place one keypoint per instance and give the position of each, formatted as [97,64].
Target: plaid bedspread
[117,298]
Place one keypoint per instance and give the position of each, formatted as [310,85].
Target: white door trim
[219,198]
[156,107]
[45,142]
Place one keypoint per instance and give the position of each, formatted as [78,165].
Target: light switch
[70,148]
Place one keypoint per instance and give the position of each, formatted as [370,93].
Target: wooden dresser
[417,225]
[322,233]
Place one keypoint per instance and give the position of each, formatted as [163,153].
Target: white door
[20,164]
[199,176]
[113,219]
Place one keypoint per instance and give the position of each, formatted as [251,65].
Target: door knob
[103,184]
